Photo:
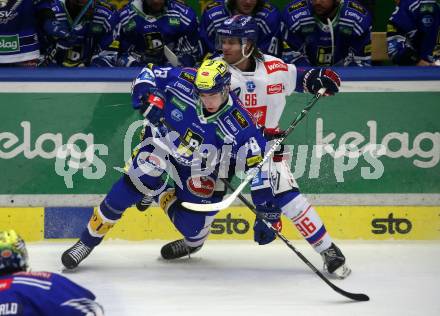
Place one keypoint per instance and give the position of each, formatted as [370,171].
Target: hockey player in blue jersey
[267,16]
[21,22]
[205,118]
[326,32]
[29,293]
[212,125]
[147,26]
[81,31]
[413,33]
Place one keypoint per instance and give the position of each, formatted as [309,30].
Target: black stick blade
[353,296]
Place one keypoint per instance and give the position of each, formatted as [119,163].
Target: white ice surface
[241,278]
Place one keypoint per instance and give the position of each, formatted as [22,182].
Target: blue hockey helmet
[13,253]
[212,76]
[239,26]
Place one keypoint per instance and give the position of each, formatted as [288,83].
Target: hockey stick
[353,296]
[50,56]
[172,58]
[254,171]
[82,13]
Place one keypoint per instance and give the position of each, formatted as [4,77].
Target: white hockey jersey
[263,92]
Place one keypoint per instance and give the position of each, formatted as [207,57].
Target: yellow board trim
[342,222]
[235,223]
[28,222]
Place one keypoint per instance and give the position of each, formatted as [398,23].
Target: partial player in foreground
[38,293]
[262,82]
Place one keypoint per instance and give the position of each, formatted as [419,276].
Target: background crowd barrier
[388,186]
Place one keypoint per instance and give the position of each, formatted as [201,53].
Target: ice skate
[73,256]
[178,249]
[334,262]
[145,203]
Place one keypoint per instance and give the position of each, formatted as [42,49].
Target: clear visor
[221,40]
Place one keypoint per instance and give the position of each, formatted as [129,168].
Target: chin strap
[245,56]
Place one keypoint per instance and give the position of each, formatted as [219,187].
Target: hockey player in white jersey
[263,82]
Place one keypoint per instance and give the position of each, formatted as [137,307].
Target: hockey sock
[307,221]
[199,240]
[122,195]
[194,226]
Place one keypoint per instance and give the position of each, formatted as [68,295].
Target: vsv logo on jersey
[274,88]
[275,65]
[9,15]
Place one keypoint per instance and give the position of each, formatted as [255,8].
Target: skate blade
[65,270]
[342,272]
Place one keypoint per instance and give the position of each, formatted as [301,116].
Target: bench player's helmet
[242,27]
[13,253]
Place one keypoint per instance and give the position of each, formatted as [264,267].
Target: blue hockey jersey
[228,135]
[413,32]
[18,30]
[44,294]
[92,34]
[143,36]
[344,41]
[268,20]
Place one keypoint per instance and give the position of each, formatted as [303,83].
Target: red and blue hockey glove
[318,78]
[149,101]
[152,109]
[262,234]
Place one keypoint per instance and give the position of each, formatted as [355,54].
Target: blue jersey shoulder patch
[295,6]
[241,120]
